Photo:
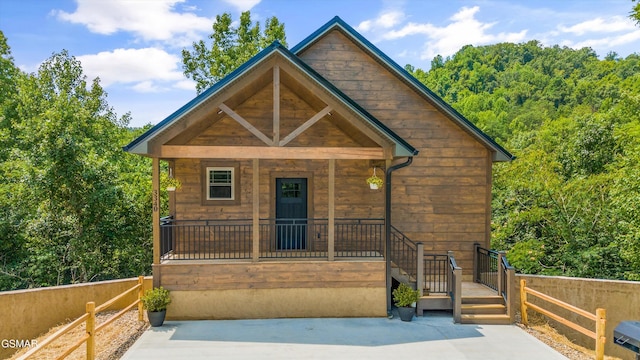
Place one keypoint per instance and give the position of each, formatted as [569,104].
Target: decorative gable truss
[263,110]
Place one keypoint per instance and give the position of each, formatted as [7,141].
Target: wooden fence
[89,318]
[599,317]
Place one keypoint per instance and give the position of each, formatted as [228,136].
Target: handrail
[91,330]
[599,317]
[403,253]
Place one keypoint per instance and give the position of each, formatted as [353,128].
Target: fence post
[140,294]
[90,328]
[523,300]
[601,321]
[420,268]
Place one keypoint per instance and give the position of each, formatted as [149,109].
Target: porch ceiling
[274,108]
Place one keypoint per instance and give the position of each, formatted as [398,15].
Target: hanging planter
[374,181]
[169,183]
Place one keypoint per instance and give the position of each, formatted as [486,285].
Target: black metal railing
[359,237]
[205,239]
[486,271]
[436,273]
[403,252]
[279,238]
[293,238]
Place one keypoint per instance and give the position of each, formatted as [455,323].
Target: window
[220,183]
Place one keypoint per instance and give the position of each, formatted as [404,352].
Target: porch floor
[270,255]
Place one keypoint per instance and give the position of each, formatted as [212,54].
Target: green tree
[635,13]
[74,215]
[230,47]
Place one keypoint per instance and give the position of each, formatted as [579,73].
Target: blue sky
[134,45]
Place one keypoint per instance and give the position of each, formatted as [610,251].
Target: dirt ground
[116,338]
[112,342]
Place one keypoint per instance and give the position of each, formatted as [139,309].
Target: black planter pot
[406,313]
[156,318]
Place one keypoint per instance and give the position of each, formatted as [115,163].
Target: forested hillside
[570,203]
[73,206]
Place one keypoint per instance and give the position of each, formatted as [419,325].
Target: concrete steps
[485,310]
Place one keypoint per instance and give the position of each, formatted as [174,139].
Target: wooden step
[495,299]
[485,319]
[486,309]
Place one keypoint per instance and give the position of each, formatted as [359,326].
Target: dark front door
[291,214]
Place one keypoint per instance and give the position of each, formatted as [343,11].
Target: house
[274,217]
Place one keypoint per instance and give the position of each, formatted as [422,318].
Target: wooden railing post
[523,300]
[510,301]
[420,268]
[140,294]
[90,328]
[500,274]
[457,306]
[476,275]
[601,322]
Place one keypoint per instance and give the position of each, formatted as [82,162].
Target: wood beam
[324,96]
[155,203]
[252,129]
[314,119]
[263,152]
[332,210]
[256,210]
[276,105]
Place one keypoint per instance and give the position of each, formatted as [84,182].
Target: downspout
[387,226]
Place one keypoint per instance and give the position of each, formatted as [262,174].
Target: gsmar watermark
[18,343]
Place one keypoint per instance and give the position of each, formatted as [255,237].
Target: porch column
[155,218]
[155,183]
[256,210]
[332,213]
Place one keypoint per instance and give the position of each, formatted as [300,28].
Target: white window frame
[232,184]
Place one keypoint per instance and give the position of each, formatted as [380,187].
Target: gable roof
[499,153]
[401,148]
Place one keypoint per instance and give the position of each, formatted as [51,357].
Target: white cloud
[243,5]
[385,20]
[464,29]
[148,20]
[605,44]
[599,25]
[149,69]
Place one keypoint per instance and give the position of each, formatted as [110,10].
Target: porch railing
[493,270]
[428,271]
[279,238]
[404,254]
[486,269]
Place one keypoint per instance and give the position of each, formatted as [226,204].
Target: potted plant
[169,183]
[374,182]
[405,298]
[155,301]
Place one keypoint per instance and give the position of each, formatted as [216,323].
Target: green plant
[167,182]
[404,295]
[156,299]
[375,180]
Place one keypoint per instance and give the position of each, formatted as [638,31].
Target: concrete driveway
[432,336]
